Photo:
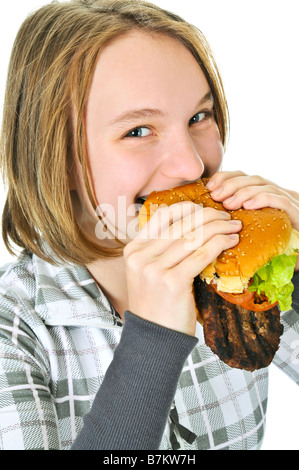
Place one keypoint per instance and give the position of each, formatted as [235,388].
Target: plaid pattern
[57,336]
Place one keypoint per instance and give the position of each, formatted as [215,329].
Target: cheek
[211,152]
[116,172]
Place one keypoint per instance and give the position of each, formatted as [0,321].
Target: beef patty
[241,338]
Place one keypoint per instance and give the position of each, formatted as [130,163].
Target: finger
[186,226]
[241,196]
[192,265]
[290,196]
[172,222]
[192,241]
[163,217]
[230,186]
[198,218]
[220,177]
[276,201]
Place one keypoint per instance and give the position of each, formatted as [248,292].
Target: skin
[147,76]
[132,154]
[235,189]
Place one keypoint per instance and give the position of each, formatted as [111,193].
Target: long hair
[49,77]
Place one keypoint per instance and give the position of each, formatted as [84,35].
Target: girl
[106,101]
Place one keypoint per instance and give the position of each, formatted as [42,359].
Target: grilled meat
[241,338]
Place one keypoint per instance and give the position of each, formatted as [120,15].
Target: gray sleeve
[131,408]
[295,303]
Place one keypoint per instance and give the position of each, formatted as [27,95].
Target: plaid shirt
[58,333]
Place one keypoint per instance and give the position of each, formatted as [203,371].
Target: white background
[255,43]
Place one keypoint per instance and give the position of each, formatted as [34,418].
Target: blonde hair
[50,72]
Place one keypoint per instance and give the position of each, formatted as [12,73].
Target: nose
[181,160]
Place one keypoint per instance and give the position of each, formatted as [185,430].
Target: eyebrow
[136,114]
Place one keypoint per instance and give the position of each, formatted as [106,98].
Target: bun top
[266,233]
[196,192]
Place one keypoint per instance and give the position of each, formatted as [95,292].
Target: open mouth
[141,200]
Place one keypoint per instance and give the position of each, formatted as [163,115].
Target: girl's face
[149,121]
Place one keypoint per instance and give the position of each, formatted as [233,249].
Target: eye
[199,117]
[139,132]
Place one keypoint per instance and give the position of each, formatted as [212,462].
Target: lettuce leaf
[274,279]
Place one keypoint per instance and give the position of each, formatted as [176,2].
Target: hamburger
[239,296]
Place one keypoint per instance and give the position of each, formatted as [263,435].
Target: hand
[236,190]
[177,243]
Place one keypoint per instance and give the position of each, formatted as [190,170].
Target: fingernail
[230,199]
[210,185]
[249,203]
[226,214]
[236,222]
[217,192]
[234,236]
